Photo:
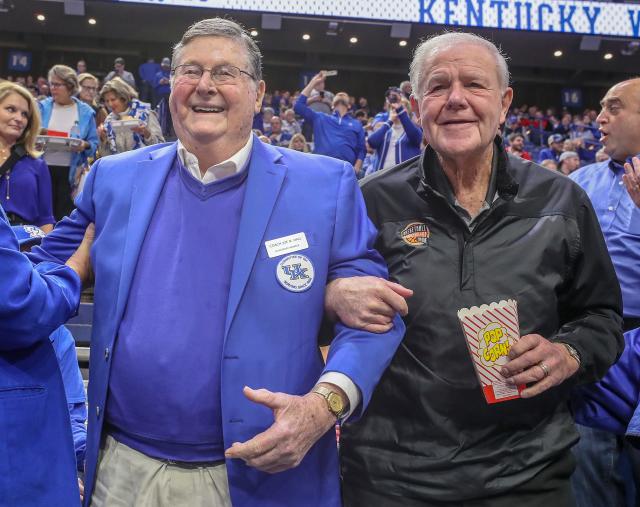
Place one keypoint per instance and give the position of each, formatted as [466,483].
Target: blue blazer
[271,333]
[37,461]
[613,403]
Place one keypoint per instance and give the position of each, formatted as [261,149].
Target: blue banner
[570,16]
[19,61]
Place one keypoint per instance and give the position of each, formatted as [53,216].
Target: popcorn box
[490,331]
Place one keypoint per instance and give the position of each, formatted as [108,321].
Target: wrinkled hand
[524,367]
[631,180]
[299,422]
[366,302]
[80,261]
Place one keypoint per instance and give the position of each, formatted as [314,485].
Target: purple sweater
[164,392]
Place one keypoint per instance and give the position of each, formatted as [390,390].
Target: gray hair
[120,89]
[67,75]
[228,29]
[428,49]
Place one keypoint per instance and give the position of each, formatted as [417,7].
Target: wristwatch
[334,400]
[572,352]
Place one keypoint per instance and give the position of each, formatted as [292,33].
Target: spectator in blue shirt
[398,139]
[337,135]
[611,407]
[553,151]
[147,72]
[161,82]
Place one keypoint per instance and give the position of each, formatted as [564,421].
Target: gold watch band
[335,403]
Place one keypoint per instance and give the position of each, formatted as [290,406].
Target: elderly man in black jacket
[466,224]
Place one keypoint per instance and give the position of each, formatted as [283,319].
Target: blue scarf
[138,110]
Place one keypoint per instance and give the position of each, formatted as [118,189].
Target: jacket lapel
[264,181]
[145,191]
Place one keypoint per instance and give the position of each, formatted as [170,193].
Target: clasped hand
[299,421]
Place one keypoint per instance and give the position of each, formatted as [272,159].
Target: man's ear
[507,97]
[415,108]
[259,96]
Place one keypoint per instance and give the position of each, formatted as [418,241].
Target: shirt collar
[616,166]
[234,164]
[441,183]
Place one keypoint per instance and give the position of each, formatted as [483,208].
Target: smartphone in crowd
[329,73]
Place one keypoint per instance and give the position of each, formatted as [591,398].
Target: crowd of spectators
[315,119]
[558,141]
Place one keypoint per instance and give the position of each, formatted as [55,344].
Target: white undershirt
[62,119]
[396,131]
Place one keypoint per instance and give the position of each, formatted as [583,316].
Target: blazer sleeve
[611,403]
[377,138]
[35,300]
[360,355]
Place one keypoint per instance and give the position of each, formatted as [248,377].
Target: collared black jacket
[428,432]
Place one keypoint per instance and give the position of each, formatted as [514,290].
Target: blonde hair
[31,131]
[295,137]
[67,75]
[120,89]
[86,75]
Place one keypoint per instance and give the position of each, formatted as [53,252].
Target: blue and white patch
[295,273]
[28,234]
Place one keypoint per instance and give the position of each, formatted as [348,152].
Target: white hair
[428,49]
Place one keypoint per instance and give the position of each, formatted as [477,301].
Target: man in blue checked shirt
[611,408]
[337,135]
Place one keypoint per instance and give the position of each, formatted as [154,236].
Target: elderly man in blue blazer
[211,258]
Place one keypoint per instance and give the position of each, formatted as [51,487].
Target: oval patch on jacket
[415,234]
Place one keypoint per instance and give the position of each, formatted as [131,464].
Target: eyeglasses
[89,88]
[56,85]
[222,74]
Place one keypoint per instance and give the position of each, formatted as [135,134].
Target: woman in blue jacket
[398,139]
[37,459]
[64,114]
[25,183]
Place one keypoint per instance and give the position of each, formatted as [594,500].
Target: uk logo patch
[415,234]
[295,273]
[33,231]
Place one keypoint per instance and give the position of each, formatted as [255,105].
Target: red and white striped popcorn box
[490,331]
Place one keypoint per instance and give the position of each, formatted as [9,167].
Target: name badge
[286,244]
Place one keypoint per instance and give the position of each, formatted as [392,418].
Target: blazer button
[98,412]
[106,354]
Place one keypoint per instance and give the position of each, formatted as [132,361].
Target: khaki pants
[128,478]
